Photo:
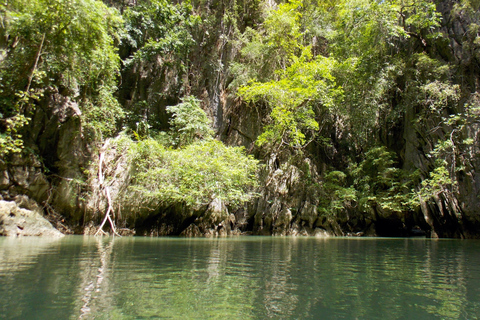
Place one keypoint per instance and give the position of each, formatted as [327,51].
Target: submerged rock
[18,221]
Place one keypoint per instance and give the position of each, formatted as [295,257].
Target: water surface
[238,278]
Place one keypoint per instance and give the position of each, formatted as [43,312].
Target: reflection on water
[246,277]
[95,279]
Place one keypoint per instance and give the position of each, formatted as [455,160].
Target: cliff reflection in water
[246,277]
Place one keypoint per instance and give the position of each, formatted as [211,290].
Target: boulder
[18,221]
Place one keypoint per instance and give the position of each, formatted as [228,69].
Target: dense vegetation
[199,169]
[362,111]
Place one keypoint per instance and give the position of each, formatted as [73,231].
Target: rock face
[18,221]
[287,204]
[50,172]
[24,176]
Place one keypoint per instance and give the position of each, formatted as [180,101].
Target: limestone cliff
[63,174]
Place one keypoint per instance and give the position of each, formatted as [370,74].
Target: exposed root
[106,190]
[56,220]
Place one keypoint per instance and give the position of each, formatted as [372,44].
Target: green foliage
[158,28]
[186,165]
[189,122]
[373,67]
[375,43]
[439,95]
[373,29]
[418,16]
[101,113]
[433,92]
[194,175]
[380,183]
[271,47]
[438,182]
[279,66]
[365,29]
[299,84]
[11,139]
[302,86]
[282,27]
[337,194]
[60,46]
[358,68]
[78,48]
[158,35]
[374,182]
[453,153]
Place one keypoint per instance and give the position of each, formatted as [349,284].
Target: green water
[238,278]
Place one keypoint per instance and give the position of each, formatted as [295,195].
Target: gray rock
[17,221]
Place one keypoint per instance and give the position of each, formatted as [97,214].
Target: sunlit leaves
[186,165]
[419,15]
[194,175]
[365,28]
[305,84]
[62,46]
[271,47]
[439,181]
[438,95]
[282,30]
[78,34]
[11,140]
[189,122]
[158,27]
[297,85]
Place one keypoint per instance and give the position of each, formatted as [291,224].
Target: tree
[59,46]
[306,84]
[299,84]
[199,169]
[158,28]
[189,122]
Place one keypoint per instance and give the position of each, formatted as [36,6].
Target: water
[238,278]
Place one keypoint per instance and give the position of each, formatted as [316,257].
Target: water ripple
[247,278]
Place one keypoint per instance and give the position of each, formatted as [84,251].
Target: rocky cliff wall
[290,199]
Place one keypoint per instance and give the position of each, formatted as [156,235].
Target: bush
[194,175]
[186,165]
